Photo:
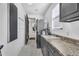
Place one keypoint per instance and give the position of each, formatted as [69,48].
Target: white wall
[73,28]
[12,48]
[36,16]
[1,22]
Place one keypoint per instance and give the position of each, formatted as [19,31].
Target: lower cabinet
[48,49]
[52,51]
[38,41]
[44,47]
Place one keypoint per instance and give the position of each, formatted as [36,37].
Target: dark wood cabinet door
[50,52]
[69,12]
[68,8]
[26,29]
[44,47]
[13,21]
[48,49]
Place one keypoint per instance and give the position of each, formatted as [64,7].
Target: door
[26,29]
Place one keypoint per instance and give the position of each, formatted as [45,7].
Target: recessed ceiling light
[29,3]
[36,9]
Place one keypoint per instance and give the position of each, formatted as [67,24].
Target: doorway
[26,29]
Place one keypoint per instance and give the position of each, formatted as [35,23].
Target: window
[55,17]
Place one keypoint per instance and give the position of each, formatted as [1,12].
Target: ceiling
[36,8]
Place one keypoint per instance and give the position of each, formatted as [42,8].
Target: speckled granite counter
[66,48]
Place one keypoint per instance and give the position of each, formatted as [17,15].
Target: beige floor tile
[30,49]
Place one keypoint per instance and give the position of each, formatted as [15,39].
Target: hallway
[30,49]
[52,27]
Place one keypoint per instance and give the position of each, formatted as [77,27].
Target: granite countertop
[76,37]
[66,48]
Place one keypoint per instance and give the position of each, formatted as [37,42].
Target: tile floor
[30,49]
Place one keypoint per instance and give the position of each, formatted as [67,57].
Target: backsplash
[69,29]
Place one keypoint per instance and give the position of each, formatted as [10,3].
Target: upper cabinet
[69,12]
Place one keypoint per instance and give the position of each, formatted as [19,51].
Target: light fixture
[29,3]
[36,9]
